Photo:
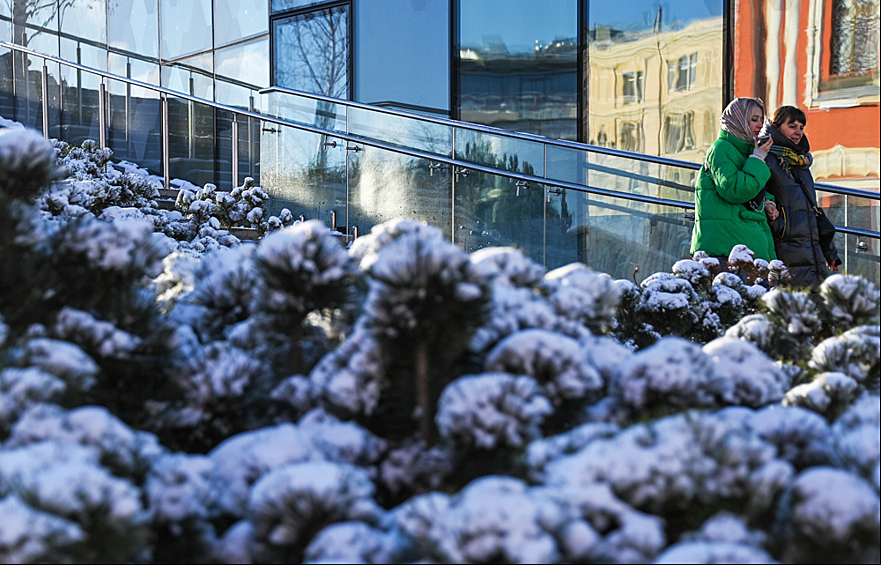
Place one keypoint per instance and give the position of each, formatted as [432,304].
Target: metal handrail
[459,164]
[492,130]
[585,147]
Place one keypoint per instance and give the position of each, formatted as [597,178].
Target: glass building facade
[645,76]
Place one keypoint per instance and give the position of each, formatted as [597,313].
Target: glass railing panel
[403,131]
[384,185]
[134,125]
[509,154]
[620,173]
[191,141]
[859,213]
[223,153]
[7,78]
[80,105]
[307,111]
[27,88]
[859,256]
[303,174]
[493,211]
[619,236]
[249,149]
[850,211]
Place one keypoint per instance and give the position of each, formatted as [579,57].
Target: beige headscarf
[735,118]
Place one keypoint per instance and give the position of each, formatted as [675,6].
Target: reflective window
[237,19]
[423,29]
[518,65]
[186,27]
[39,14]
[134,26]
[85,18]
[854,36]
[629,42]
[247,62]
[311,51]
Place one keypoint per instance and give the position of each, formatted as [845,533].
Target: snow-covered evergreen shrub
[366,249]
[507,266]
[426,299]
[301,268]
[103,513]
[555,361]
[828,394]
[854,353]
[850,300]
[492,410]
[833,515]
[289,506]
[583,295]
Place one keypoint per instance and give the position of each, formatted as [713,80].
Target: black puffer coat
[796,237]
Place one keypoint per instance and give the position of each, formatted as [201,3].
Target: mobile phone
[762,140]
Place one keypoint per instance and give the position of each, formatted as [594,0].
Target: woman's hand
[771,210]
[766,146]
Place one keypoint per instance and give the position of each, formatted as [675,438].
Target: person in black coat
[796,235]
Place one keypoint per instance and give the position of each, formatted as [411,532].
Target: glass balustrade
[352,167]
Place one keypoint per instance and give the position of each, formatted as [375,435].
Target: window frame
[311,8]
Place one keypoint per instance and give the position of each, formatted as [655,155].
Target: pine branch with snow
[425,301]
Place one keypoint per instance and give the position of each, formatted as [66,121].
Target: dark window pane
[312,52]
[423,27]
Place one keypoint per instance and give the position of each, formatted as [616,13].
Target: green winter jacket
[728,179]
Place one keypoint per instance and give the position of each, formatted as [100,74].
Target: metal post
[191,117]
[165,144]
[45,100]
[128,109]
[102,114]
[235,150]
[79,84]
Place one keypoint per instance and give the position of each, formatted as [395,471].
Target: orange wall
[850,127]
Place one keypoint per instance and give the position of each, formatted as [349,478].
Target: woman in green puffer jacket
[729,192]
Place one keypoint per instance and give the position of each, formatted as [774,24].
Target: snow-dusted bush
[426,299]
[507,266]
[856,439]
[854,353]
[850,300]
[673,374]
[492,410]
[555,361]
[350,380]
[680,466]
[125,452]
[288,506]
[833,515]
[103,513]
[27,163]
[365,249]
[828,394]
[494,519]
[301,268]
[583,295]
[748,376]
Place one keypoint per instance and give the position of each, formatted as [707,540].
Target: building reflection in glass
[518,66]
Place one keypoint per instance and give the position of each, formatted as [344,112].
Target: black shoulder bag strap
[825,227]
